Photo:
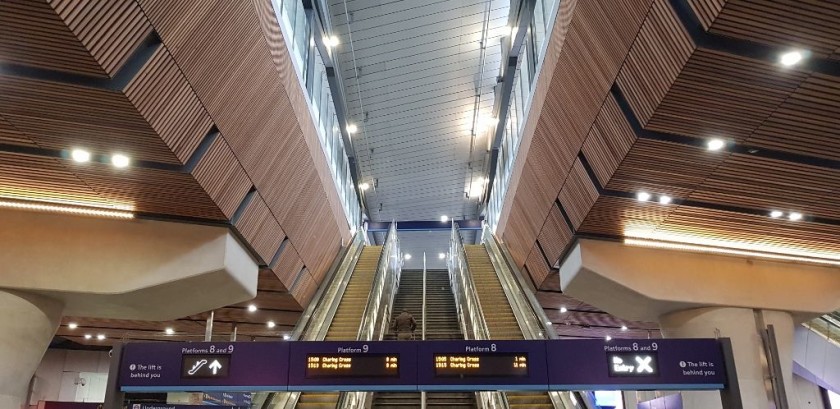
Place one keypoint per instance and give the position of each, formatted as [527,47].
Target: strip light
[727,251]
[66,209]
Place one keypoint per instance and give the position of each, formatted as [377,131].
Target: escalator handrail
[383,288]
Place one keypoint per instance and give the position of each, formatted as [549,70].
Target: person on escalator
[405,324]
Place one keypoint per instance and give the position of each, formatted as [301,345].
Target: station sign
[204,366]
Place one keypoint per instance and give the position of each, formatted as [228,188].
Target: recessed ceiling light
[80,155]
[100,337]
[72,325]
[364,186]
[608,338]
[252,308]
[444,218]
[88,336]
[624,328]
[563,309]
[407,256]
[441,256]
[665,199]
[715,144]
[643,196]
[352,128]
[270,324]
[791,58]
[795,216]
[46,207]
[120,161]
[548,323]
[331,41]
[169,331]
[286,337]
[776,214]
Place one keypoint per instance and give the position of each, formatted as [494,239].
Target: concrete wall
[61,374]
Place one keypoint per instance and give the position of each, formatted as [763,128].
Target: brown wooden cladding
[707,10]
[288,266]
[555,235]
[811,25]
[608,142]
[536,266]
[10,135]
[165,99]
[578,194]
[304,288]
[612,216]
[222,177]
[109,30]
[259,227]
[31,33]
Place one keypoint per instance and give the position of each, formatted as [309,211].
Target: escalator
[347,319]
[441,324]
[500,319]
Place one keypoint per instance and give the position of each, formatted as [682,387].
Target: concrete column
[742,326]
[28,324]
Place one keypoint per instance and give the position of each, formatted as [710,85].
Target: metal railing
[470,314]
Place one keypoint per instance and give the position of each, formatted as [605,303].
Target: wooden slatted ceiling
[260,228]
[288,266]
[10,135]
[808,24]
[578,194]
[706,10]
[109,30]
[222,177]
[555,235]
[32,34]
[536,265]
[608,141]
[611,216]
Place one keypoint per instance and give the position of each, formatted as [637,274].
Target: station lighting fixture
[286,337]
[72,325]
[100,337]
[331,41]
[643,196]
[444,218]
[88,336]
[791,58]
[352,128]
[715,144]
[270,324]
[441,256]
[776,214]
[608,338]
[169,331]
[252,308]
[729,250]
[563,310]
[66,209]
[407,256]
[548,323]
[80,155]
[364,186]
[794,216]
[665,199]
[624,328]
[120,161]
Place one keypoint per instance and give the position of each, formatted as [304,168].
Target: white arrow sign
[215,366]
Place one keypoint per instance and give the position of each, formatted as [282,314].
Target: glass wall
[527,71]
[311,72]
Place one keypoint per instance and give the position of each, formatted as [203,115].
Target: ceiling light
[794,216]
[608,338]
[252,308]
[444,218]
[100,337]
[791,58]
[441,256]
[715,144]
[80,155]
[88,336]
[120,161]
[364,186]
[331,41]
[487,121]
[776,214]
[352,128]
[72,325]
[286,337]
[643,196]
[730,251]
[169,331]
[664,199]
[66,209]
[270,324]
[563,309]
[624,328]
[407,256]
[548,323]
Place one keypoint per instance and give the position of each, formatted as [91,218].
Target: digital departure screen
[481,364]
[352,365]
[633,364]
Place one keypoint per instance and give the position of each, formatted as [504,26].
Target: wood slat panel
[661,50]
[608,142]
[31,33]
[805,24]
[612,216]
[304,288]
[10,135]
[578,194]
[260,228]
[707,10]
[288,266]
[222,177]
[165,99]
[555,235]
[537,267]
[109,30]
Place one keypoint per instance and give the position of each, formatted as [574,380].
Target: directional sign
[205,366]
